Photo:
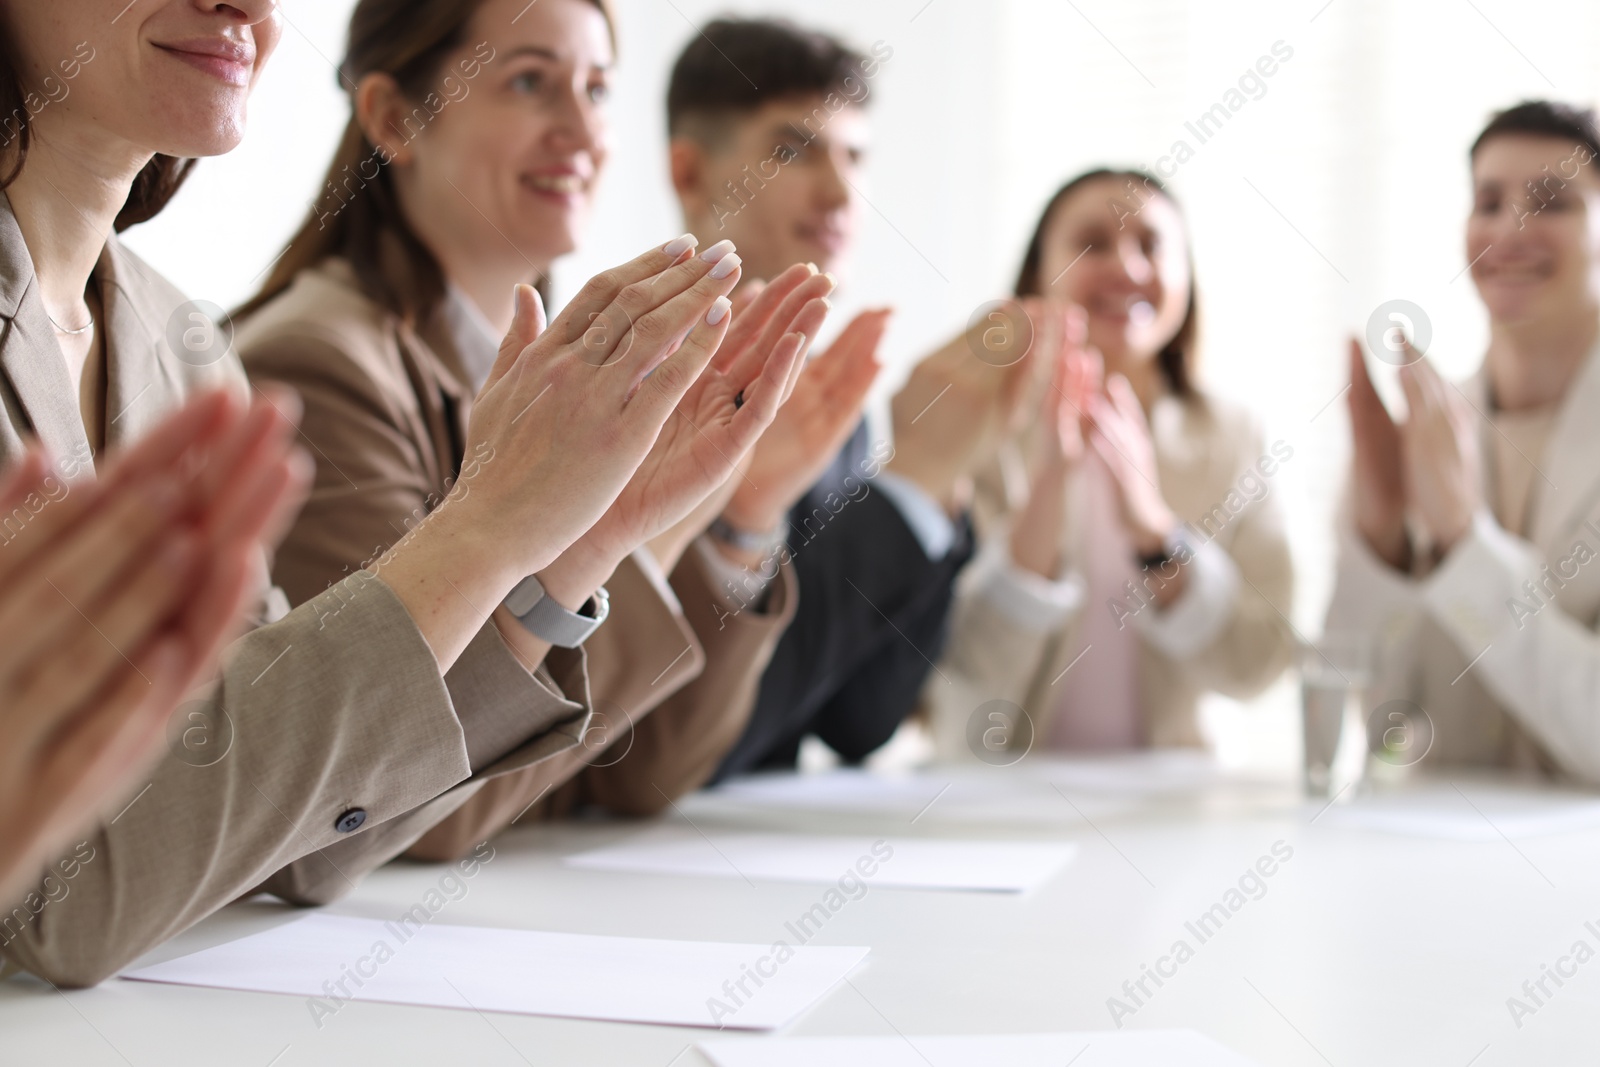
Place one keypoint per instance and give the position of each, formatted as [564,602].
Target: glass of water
[1335,673]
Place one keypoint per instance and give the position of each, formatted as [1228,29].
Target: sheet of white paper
[1468,812]
[914,863]
[581,976]
[1039,790]
[1111,1048]
[1156,772]
[960,795]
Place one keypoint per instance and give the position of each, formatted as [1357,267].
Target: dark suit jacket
[870,625]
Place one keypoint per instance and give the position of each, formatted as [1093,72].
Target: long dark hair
[153,186]
[1179,358]
[407,40]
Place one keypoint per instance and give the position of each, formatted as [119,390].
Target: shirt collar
[470,335]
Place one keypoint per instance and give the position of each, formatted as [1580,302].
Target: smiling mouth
[822,236]
[1135,309]
[227,63]
[557,184]
[1514,275]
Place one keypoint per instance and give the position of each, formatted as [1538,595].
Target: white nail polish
[679,245]
[719,310]
[717,251]
[726,266]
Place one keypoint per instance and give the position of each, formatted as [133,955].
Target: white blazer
[1497,647]
[1229,633]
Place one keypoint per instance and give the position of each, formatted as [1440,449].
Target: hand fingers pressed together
[770,320]
[669,345]
[850,365]
[753,309]
[578,317]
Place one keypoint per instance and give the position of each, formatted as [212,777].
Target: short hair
[736,66]
[1544,118]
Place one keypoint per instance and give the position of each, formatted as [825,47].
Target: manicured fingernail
[801,335]
[726,266]
[679,245]
[719,310]
[717,251]
[834,282]
[812,267]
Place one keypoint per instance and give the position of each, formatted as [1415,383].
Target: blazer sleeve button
[350,821]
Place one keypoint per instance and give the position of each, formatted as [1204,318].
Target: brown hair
[1544,118]
[1179,358]
[152,187]
[712,78]
[407,40]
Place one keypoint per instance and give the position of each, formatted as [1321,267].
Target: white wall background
[1343,186]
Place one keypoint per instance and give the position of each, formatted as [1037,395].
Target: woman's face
[1122,255]
[1533,238]
[513,155]
[164,76]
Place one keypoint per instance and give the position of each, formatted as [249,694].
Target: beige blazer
[1493,656]
[673,681]
[335,707]
[1205,450]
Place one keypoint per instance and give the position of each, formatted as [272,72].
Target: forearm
[1540,663]
[326,715]
[677,747]
[451,581]
[498,804]
[1038,532]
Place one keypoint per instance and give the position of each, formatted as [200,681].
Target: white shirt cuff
[1472,591]
[929,524]
[736,585]
[1028,599]
[1197,618]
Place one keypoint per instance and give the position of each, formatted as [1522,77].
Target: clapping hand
[1121,439]
[955,408]
[116,597]
[1378,489]
[1428,467]
[716,424]
[811,426]
[1440,447]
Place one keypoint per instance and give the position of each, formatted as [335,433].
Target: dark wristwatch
[1169,549]
[1155,560]
[548,621]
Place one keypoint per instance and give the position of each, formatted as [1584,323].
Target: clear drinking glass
[1335,673]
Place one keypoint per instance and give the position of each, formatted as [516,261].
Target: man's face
[782,184]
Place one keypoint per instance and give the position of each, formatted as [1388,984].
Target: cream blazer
[336,707]
[1494,653]
[1207,452]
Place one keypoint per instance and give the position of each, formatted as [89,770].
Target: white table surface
[1365,950]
